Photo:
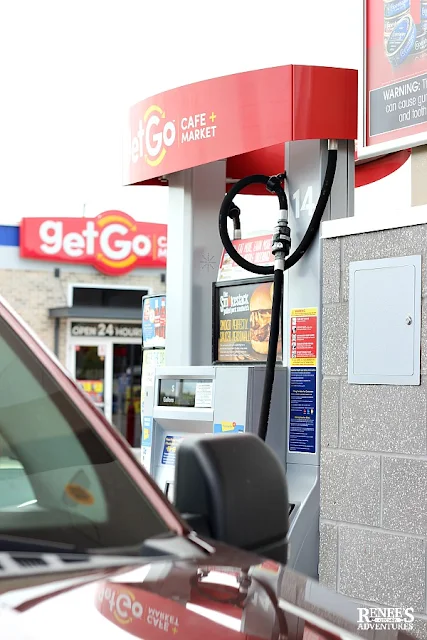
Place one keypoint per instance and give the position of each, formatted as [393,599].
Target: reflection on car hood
[234,597]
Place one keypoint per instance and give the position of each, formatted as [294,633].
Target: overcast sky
[69,71]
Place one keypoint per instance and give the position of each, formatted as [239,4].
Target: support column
[305,166]
[194,252]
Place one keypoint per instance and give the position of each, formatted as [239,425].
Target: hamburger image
[260,317]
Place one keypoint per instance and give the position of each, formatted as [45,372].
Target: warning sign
[303,337]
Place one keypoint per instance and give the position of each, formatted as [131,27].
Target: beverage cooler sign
[154,322]
[242,322]
[94,389]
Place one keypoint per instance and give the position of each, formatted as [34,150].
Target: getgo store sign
[113,242]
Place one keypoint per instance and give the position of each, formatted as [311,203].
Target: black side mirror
[232,488]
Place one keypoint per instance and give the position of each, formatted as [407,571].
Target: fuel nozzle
[281,242]
[234,214]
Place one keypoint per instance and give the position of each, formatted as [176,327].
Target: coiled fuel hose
[281,244]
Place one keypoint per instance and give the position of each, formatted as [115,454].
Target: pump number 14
[307,205]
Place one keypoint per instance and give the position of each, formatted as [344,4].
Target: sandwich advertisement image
[242,320]
[395,71]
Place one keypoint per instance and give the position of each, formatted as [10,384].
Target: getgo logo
[154,136]
[121,604]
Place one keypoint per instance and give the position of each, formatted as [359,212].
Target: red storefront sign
[113,242]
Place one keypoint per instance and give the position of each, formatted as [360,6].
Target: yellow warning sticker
[228,426]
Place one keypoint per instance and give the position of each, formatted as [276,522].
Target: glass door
[89,372]
[110,373]
[126,401]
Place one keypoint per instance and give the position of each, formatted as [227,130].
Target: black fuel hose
[309,234]
[270,367]
[280,265]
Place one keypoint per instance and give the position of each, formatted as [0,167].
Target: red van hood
[181,599]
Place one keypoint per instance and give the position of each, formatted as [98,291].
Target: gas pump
[217,399]
[276,396]
[226,398]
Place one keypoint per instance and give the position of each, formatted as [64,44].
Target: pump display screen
[242,320]
[185,392]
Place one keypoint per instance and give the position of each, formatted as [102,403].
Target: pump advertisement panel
[395,75]
[256,250]
[154,322]
[242,320]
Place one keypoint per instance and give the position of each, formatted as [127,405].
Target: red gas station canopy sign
[245,118]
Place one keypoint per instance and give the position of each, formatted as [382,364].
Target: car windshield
[59,481]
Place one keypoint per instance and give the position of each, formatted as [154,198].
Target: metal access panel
[385,321]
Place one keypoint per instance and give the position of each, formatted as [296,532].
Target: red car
[90,547]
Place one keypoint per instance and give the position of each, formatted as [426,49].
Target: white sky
[69,70]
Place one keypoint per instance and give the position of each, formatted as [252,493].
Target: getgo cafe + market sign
[113,242]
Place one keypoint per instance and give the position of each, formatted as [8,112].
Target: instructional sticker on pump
[169,449]
[302,414]
[303,344]
[203,397]
[303,375]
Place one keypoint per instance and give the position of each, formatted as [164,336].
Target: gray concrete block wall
[33,293]
[373,530]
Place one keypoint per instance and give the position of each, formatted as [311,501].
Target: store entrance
[126,392]
[110,373]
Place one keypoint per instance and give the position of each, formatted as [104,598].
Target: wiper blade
[11,543]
